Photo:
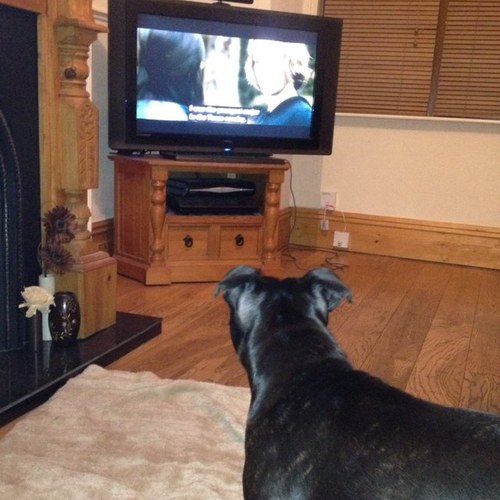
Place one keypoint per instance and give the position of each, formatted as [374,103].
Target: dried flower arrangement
[59,225]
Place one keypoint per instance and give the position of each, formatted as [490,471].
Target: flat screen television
[212,79]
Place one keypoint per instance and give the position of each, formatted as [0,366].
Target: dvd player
[211,196]
[209,186]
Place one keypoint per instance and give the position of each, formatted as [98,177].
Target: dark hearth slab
[28,379]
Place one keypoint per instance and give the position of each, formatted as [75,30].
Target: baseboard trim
[463,244]
[476,246]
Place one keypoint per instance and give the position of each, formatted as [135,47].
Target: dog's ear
[233,282]
[329,286]
[237,287]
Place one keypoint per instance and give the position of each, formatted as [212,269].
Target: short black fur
[319,429]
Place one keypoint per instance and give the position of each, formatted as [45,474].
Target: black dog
[318,429]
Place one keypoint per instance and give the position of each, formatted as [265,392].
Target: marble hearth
[27,379]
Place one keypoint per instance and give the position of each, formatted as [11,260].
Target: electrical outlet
[341,239]
[328,200]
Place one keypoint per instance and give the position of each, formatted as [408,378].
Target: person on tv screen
[169,74]
[279,70]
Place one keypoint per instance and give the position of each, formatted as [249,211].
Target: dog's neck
[268,368]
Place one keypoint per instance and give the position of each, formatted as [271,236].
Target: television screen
[187,77]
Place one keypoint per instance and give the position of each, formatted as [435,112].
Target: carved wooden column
[157,211]
[270,254]
[93,277]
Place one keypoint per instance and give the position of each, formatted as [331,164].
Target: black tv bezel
[123,138]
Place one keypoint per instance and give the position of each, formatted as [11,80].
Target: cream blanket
[119,435]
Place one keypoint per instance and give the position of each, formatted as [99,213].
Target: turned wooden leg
[271,218]
[157,213]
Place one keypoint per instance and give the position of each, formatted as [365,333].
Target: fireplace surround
[64,143]
[59,126]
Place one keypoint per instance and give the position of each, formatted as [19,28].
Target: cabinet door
[187,242]
[238,242]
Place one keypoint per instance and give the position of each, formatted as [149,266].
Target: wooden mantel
[69,133]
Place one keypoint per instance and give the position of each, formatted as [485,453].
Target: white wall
[102,199]
[431,169]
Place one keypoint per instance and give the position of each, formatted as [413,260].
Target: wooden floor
[431,329]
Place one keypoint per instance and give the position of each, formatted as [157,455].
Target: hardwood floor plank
[361,283]
[359,334]
[439,371]
[400,343]
[481,388]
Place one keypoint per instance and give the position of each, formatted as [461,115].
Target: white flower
[36,299]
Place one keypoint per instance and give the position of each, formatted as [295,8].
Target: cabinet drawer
[240,242]
[187,242]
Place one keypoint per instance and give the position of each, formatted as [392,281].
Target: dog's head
[260,302]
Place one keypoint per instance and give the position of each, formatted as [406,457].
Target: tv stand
[158,247]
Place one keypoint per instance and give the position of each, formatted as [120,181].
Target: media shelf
[158,247]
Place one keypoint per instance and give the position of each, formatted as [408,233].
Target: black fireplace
[19,169]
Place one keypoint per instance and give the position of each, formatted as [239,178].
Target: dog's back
[352,437]
[318,429]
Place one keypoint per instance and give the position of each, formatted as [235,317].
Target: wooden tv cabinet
[158,247]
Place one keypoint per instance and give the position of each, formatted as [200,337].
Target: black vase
[64,318]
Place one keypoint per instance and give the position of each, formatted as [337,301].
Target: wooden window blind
[468,78]
[419,57]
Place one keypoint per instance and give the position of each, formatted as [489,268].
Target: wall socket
[328,200]
[341,239]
